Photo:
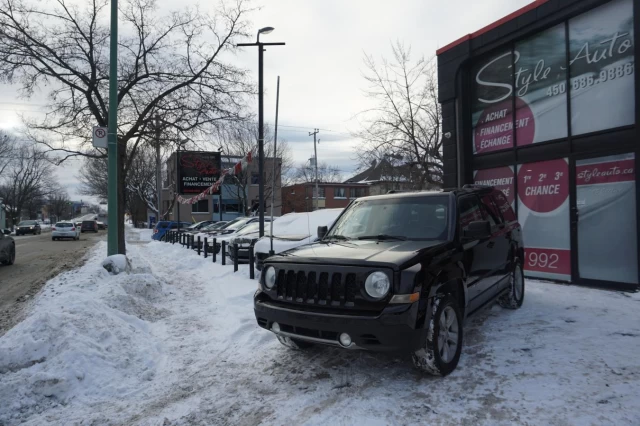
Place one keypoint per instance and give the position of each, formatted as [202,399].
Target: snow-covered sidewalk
[175,342]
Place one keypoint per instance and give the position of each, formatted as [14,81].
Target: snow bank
[88,339]
[116,264]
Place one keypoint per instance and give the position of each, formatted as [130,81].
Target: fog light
[275,327]
[345,340]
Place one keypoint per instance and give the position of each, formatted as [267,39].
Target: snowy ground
[175,343]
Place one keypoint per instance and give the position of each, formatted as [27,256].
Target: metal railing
[206,248]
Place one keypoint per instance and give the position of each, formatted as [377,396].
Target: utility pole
[158,170]
[315,160]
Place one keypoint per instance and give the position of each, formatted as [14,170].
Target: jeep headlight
[270,277]
[377,285]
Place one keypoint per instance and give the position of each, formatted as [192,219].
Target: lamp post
[260,45]
[112,136]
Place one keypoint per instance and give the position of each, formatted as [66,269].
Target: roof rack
[473,185]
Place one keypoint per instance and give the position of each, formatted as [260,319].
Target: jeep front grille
[324,288]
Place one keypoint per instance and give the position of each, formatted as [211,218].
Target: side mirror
[322,231]
[6,231]
[477,230]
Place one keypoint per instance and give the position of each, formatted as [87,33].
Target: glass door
[606,218]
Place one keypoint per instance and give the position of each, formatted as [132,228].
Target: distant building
[239,197]
[300,197]
[383,176]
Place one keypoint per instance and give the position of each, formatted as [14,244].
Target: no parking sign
[100,137]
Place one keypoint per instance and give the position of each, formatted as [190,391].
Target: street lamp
[260,45]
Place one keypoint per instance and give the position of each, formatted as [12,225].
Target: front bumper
[392,330]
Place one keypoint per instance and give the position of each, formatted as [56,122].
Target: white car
[293,230]
[65,230]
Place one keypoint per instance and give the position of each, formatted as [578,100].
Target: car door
[500,242]
[4,246]
[479,255]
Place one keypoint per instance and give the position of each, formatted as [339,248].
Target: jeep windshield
[402,218]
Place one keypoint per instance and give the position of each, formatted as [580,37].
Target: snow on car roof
[303,223]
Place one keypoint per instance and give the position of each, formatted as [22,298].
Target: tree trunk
[122,196]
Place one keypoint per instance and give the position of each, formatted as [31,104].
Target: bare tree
[238,142]
[7,147]
[405,123]
[27,182]
[59,204]
[169,65]
[326,173]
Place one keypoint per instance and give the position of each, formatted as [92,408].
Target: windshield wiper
[336,237]
[381,237]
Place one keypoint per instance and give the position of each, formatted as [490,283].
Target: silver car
[65,230]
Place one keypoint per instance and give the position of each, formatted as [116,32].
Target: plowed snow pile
[175,342]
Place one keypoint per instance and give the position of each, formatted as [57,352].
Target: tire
[53,238]
[513,298]
[435,356]
[294,344]
[12,256]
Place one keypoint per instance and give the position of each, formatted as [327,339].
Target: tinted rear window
[161,225]
[88,222]
[64,225]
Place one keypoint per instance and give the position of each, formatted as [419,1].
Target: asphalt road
[38,259]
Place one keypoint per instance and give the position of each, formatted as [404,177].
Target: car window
[503,205]
[491,212]
[63,225]
[469,211]
[162,225]
[173,226]
[413,218]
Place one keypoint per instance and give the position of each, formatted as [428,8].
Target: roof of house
[381,171]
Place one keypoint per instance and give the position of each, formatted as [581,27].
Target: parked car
[7,248]
[244,228]
[235,225]
[89,226]
[28,227]
[101,225]
[161,228]
[293,230]
[65,230]
[196,227]
[213,227]
[398,272]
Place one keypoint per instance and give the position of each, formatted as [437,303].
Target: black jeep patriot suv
[397,272]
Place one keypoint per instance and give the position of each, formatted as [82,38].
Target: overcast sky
[321,65]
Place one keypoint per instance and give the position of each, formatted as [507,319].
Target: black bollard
[235,257]
[252,273]
[224,252]
[215,250]
[206,247]
[199,245]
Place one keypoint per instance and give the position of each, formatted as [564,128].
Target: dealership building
[543,105]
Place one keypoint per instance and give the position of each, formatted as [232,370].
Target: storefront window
[543,212]
[492,104]
[501,178]
[602,68]
[607,234]
[541,87]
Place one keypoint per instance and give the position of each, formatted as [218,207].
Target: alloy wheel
[448,334]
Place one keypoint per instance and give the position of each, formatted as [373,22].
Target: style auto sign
[535,74]
[197,171]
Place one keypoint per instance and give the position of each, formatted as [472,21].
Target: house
[300,197]
[383,176]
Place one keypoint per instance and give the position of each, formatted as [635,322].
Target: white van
[293,230]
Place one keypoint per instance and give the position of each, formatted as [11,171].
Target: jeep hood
[356,252]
